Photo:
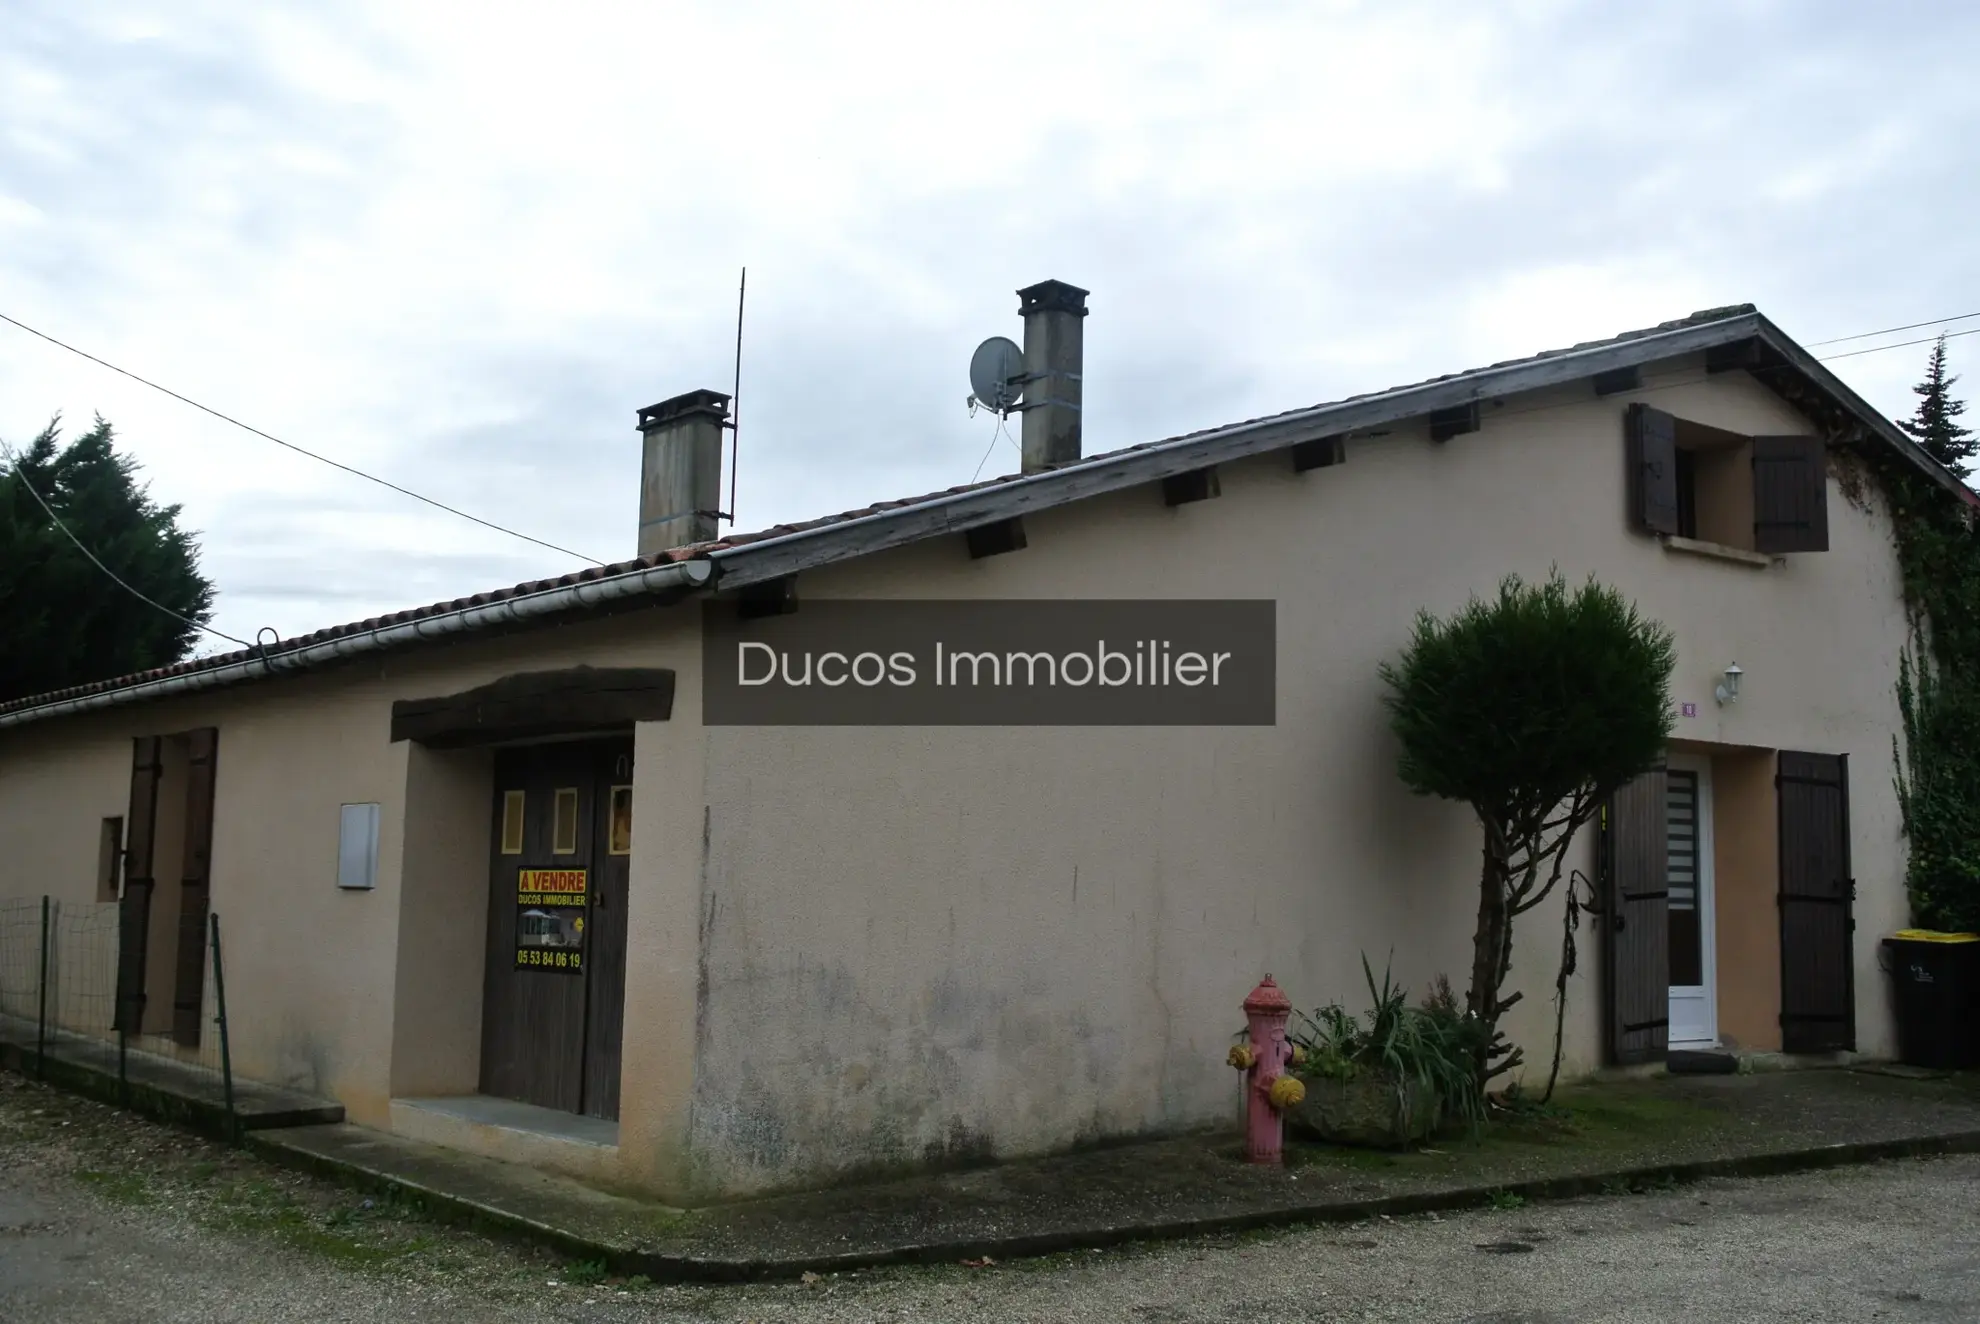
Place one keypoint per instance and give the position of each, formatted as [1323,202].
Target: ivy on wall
[1936,757]
[1937,762]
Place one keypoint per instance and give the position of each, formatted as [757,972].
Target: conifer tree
[1936,424]
[66,622]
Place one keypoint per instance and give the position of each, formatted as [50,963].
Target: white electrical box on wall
[357,847]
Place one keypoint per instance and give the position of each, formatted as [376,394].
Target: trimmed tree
[1936,424]
[66,622]
[1532,707]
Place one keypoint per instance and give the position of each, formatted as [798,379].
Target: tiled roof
[1704,318]
[783,531]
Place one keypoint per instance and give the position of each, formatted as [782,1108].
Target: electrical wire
[1001,431]
[323,459]
[14,468]
[1889,330]
[1874,349]
[489,524]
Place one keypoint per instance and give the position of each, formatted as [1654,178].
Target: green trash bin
[1937,982]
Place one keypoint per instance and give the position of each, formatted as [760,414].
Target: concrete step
[171,1089]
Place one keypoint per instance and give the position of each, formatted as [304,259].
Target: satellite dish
[994,373]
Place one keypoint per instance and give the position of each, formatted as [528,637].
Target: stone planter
[1365,1111]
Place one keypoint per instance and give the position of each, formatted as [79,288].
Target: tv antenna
[735,403]
[996,377]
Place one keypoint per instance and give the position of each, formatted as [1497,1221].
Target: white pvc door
[1694,1000]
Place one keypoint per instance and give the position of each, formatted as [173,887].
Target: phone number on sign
[550,960]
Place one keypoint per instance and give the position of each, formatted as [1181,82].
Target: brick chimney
[1053,314]
[680,471]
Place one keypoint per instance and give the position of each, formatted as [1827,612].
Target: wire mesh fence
[20,957]
[60,963]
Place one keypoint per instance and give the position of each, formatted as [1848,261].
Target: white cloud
[460,245]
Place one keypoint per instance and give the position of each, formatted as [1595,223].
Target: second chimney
[1053,340]
[680,471]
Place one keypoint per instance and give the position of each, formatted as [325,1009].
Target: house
[710,931]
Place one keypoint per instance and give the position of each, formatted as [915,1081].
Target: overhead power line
[14,467]
[1877,349]
[1890,331]
[289,445]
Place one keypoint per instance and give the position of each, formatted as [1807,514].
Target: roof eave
[661,583]
[1874,422]
[804,549]
[808,548]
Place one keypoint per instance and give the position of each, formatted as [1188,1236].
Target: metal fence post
[41,1013]
[220,1017]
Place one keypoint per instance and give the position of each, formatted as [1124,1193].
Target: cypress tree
[67,623]
[1936,424]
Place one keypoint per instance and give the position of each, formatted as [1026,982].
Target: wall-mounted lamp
[1729,687]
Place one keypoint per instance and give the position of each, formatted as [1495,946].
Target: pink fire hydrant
[1264,1061]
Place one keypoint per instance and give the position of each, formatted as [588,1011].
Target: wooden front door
[555,989]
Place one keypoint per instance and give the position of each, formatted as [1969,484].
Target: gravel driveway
[107,1218]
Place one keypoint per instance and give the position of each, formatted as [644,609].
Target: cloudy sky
[459,245]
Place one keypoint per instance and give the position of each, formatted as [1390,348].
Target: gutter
[676,576]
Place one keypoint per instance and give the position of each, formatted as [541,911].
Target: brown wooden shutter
[1650,448]
[189,982]
[134,910]
[1790,495]
[1818,976]
[1635,854]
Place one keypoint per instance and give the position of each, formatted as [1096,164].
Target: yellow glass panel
[620,841]
[563,840]
[512,822]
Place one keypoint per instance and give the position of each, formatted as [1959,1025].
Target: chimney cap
[1052,296]
[670,410]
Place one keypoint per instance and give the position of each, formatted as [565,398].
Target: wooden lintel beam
[533,704]
[1195,485]
[995,538]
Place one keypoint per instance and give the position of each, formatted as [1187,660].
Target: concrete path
[107,1218]
[1635,1133]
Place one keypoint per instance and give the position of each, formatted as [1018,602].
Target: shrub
[1428,1050]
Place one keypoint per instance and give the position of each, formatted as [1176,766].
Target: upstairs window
[1765,495]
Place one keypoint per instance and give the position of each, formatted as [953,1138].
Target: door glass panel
[1687,939]
[512,822]
[620,840]
[563,840]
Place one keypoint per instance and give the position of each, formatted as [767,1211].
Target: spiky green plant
[1422,1051]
